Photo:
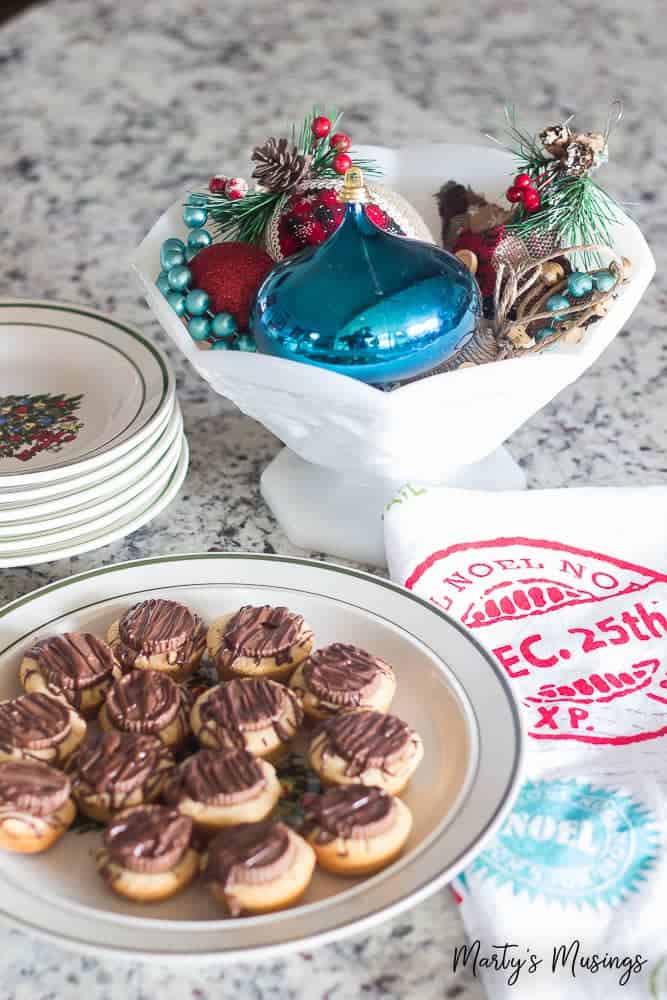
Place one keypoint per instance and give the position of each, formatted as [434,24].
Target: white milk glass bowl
[350,446]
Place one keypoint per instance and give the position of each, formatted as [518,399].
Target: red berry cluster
[522,190]
[340,141]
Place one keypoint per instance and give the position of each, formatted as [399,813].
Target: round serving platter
[97,387]
[449,690]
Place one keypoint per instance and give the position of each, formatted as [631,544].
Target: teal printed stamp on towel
[573,843]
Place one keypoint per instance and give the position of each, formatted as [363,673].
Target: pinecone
[280,167]
[555,138]
[579,157]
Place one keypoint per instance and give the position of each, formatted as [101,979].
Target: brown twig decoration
[512,283]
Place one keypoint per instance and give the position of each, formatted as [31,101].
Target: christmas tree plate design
[77,389]
[134,516]
[448,689]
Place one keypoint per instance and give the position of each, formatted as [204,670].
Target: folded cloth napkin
[567,590]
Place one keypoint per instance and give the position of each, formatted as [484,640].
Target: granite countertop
[112,108]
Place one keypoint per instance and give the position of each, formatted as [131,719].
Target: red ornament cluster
[308,218]
[522,191]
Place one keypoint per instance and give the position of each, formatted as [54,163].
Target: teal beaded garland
[173,257]
[223,325]
[604,281]
[557,301]
[179,278]
[542,334]
[199,238]
[177,302]
[199,327]
[221,345]
[196,302]
[197,199]
[579,284]
[163,282]
[245,343]
[194,216]
[191,252]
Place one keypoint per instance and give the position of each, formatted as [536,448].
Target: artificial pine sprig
[574,210]
[246,218]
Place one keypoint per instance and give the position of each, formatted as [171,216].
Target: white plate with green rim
[98,482]
[95,539]
[449,690]
[76,510]
[97,519]
[77,390]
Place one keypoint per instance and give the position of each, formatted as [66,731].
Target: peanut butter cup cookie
[341,678]
[115,770]
[159,635]
[150,703]
[35,806]
[39,727]
[76,666]
[147,854]
[258,867]
[259,642]
[221,788]
[355,829]
[368,748]
[248,713]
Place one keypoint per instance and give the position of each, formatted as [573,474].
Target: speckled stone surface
[111,109]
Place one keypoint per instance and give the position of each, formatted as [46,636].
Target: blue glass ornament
[163,282]
[196,302]
[579,283]
[177,302]
[366,303]
[179,278]
[199,327]
[199,238]
[604,281]
[173,257]
[223,325]
[194,216]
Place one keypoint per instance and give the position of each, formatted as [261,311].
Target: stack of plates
[91,435]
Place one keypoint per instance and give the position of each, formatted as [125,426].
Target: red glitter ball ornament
[231,274]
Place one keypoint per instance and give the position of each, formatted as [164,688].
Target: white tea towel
[567,590]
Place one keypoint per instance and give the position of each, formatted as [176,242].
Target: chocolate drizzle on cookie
[250,854]
[351,812]
[260,633]
[217,777]
[161,627]
[32,788]
[366,740]
[144,701]
[33,722]
[246,704]
[343,675]
[148,839]
[116,764]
